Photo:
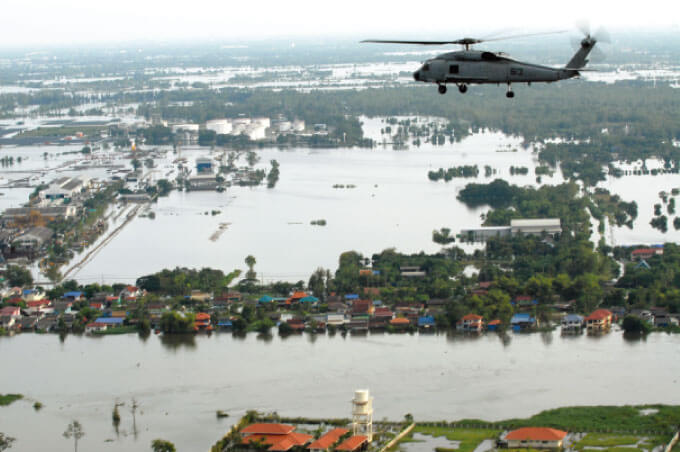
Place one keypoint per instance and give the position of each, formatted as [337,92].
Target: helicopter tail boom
[580,58]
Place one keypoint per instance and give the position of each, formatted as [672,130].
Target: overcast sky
[79,22]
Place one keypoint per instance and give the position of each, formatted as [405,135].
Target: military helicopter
[468,66]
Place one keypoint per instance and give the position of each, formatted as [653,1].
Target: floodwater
[179,383]
[393,204]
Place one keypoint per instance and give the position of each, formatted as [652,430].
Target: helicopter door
[454,69]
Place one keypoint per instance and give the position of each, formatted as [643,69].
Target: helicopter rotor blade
[525,35]
[425,43]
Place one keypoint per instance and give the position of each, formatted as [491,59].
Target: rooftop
[328,439]
[268,429]
[536,434]
[352,443]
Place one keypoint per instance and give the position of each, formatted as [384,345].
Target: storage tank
[299,125]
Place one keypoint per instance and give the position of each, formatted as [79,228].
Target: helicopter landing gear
[510,94]
[441,89]
[462,88]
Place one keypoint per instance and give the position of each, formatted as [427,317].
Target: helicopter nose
[416,76]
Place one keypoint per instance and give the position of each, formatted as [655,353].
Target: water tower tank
[361,396]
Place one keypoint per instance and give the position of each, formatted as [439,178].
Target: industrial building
[536,226]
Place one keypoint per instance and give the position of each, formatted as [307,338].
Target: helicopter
[468,66]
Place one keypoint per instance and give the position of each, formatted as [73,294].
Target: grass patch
[6,399]
[606,440]
[127,329]
[469,438]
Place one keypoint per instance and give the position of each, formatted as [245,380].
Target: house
[8,322]
[33,240]
[599,321]
[38,307]
[411,271]
[471,323]
[426,322]
[202,322]
[296,324]
[279,437]
[362,307]
[664,320]
[11,311]
[522,322]
[381,317]
[296,297]
[33,294]
[335,319]
[29,323]
[493,325]
[265,300]
[338,306]
[400,323]
[73,296]
[131,293]
[535,438]
[94,327]
[359,323]
[327,440]
[98,305]
[200,296]
[353,444]
[645,253]
[110,321]
[47,323]
[524,301]
[572,322]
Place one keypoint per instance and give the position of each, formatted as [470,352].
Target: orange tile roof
[599,314]
[268,429]
[495,322]
[202,316]
[352,443]
[328,439]
[399,321]
[536,434]
[472,317]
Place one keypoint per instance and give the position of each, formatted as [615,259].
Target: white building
[193,128]
[220,126]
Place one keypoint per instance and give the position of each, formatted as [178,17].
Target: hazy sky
[31,22]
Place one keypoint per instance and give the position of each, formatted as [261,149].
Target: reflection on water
[176,341]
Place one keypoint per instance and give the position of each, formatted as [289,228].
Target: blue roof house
[522,321]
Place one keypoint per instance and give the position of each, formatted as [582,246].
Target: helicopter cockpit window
[426,67]
[453,69]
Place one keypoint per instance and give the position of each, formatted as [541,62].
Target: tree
[250,262]
[75,431]
[161,445]
[5,441]
[18,276]
[634,324]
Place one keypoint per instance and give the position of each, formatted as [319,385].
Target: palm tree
[250,262]
[75,431]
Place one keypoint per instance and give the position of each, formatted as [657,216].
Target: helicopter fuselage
[467,67]
[473,66]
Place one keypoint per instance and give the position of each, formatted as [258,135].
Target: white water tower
[362,414]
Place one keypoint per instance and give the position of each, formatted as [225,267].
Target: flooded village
[217,257]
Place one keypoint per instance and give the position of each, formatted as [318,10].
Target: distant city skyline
[80,22]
